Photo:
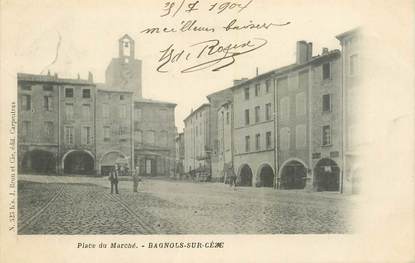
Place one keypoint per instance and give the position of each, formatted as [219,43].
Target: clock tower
[124,72]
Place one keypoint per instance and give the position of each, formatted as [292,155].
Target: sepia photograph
[171,119]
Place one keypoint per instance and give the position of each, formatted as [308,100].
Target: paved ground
[80,205]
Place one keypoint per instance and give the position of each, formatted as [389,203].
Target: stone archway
[39,161]
[327,175]
[109,159]
[78,162]
[266,176]
[293,175]
[245,175]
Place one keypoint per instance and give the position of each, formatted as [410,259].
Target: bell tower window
[126,48]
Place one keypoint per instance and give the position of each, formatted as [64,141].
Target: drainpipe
[276,143]
[58,159]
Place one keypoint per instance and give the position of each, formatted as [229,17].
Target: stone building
[350,42]
[56,128]
[225,140]
[75,126]
[197,138]
[253,131]
[154,136]
[179,155]
[216,100]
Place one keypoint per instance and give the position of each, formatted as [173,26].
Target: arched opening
[245,176]
[39,161]
[78,162]
[327,175]
[266,176]
[110,159]
[293,175]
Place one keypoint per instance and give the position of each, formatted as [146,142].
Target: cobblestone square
[79,205]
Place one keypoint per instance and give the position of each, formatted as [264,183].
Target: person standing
[232,177]
[136,178]
[114,179]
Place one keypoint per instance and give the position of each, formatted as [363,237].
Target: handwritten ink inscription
[207,54]
[213,53]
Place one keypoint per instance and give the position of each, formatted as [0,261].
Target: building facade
[216,100]
[253,130]
[74,126]
[197,140]
[350,42]
[179,171]
[225,140]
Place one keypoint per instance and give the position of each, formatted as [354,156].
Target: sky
[87,36]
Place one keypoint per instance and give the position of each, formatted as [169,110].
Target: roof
[52,79]
[291,67]
[356,30]
[144,100]
[197,110]
[101,87]
[218,93]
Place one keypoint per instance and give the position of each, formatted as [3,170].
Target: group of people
[118,171]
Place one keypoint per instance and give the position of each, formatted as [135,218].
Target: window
[354,66]
[86,135]
[106,133]
[26,87]
[258,141]
[105,111]
[285,138]
[257,111]
[26,102]
[326,135]
[268,111]
[86,111]
[47,87]
[257,89]
[69,136]
[267,85]
[247,117]
[268,140]
[150,137]
[138,113]
[247,144]
[163,115]
[285,108]
[246,90]
[49,129]
[300,104]
[300,136]
[227,117]
[326,71]
[69,93]
[26,130]
[69,111]
[197,131]
[123,111]
[136,125]
[163,138]
[122,131]
[138,136]
[47,103]
[86,93]
[122,97]
[326,103]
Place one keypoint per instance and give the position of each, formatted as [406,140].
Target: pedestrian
[114,179]
[232,177]
[136,178]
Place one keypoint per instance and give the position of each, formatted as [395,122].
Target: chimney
[90,77]
[302,52]
[309,50]
[48,72]
[324,51]
[79,77]
[257,71]
[56,75]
